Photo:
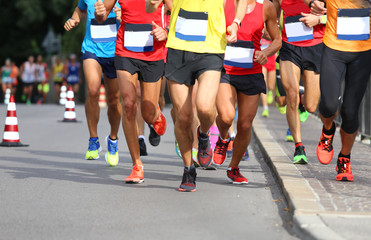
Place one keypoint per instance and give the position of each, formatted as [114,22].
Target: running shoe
[142,147]
[235,177]
[177,150]
[112,155]
[303,114]
[154,139]
[93,150]
[194,157]
[269,97]
[289,137]
[220,151]
[205,153]
[214,135]
[300,156]
[265,113]
[344,170]
[325,151]
[28,102]
[282,110]
[189,180]
[136,176]
[157,129]
[246,156]
[230,148]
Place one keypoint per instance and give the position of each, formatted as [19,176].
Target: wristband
[323,19]
[238,22]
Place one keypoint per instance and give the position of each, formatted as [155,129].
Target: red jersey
[133,38]
[238,59]
[294,31]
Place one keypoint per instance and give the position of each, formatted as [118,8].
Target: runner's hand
[70,24]
[260,57]
[232,33]
[117,10]
[310,20]
[318,7]
[100,9]
[158,32]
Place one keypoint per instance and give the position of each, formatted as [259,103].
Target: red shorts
[271,63]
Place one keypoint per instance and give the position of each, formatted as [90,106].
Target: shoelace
[187,178]
[203,145]
[221,148]
[343,165]
[325,143]
[92,146]
[237,173]
[112,147]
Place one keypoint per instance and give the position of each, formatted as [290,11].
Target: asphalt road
[48,190]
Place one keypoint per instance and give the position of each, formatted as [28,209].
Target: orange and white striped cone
[69,113]
[102,97]
[11,134]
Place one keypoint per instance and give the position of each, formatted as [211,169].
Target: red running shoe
[344,170]
[220,151]
[235,177]
[205,152]
[189,181]
[325,151]
[160,124]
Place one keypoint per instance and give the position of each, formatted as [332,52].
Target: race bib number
[239,54]
[353,24]
[191,26]
[103,32]
[297,31]
[138,37]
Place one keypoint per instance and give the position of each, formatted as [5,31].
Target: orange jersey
[348,25]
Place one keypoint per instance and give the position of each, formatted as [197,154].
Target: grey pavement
[48,191]
[322,208]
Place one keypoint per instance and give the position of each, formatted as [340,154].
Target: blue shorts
[107,64]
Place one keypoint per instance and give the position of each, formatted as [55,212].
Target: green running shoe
[112,155]
[303,115]
[269,97]
[265,113]
[300,156]
[177,150]
[289,137]
[93,150]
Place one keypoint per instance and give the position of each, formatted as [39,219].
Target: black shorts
[306,58]
[58,83]
[27,84]
[250,84]
[107,64]
[184,67]
[148,71]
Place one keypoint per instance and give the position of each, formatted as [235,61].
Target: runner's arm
[240,12]
[317,7]
[75,19]
[103,9]
[277,5]
[272,28]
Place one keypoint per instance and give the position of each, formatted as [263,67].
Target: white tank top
[28,75]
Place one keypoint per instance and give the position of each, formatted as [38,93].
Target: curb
[302,200]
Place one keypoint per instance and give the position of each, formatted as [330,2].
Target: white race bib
[138,38]
[103,32]
[191,26]
[297,31]
[353,24]
[240,54]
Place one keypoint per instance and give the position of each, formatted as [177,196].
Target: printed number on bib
[103,32]
[138,37]
[353,24]
[297,31]
[191,26]
[239,54]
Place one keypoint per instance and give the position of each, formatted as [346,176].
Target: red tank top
[238,59]
[295,32]
[133,38]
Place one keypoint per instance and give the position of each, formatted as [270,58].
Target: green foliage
[24,24]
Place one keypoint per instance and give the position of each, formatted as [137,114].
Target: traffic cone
[69,113]
[11,135]
[102,97]
[63,95]
[7,96]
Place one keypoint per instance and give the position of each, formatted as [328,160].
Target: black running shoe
[205,153]
[154,138]
[189,180]
[142,147]
[299,156]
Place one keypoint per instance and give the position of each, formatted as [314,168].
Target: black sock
[189,168]
[344,156]
[330,131]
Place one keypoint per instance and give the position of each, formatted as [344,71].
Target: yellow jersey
[197,26]
[348,25]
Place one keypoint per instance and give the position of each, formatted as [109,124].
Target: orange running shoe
[160,124]
[325,151]
[344,170]
[220,151]
[136,176]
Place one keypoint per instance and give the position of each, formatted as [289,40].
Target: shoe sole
[211,167]
[105,156]
[184,190]
[345,178]
[99,150]
[154,139]
[237,183]
[134,182]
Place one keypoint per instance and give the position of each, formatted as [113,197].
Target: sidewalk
[322,208]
